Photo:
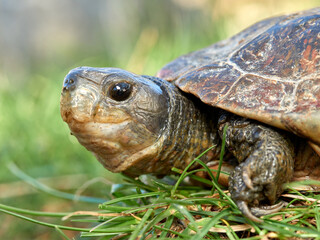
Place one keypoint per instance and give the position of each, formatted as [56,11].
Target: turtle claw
[243,206]
[246,176]
[265,210]
[247,192]
[255,212]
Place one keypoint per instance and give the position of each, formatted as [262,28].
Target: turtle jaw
[117,140]
[115,145]
[149,131]
[97,133]
[121,134]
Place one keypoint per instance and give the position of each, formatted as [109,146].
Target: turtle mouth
[121,131]
[75,106]
[102,139]
[117,140]
[116,145]
[98,129]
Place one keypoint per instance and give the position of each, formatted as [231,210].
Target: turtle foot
[249,192]
[265,210]
[243,206]
[254,213]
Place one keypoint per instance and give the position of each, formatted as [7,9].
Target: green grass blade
[185,212]
[164,214]
[167,226]
[136,232]
[184,236]
[139,184]
[62,233]
[44,188]
[30,212]
[134,196]
[210,224]
[115,230]
[183,174]
[223,146]
[317,217]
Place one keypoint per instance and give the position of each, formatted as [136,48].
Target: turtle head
[117,115]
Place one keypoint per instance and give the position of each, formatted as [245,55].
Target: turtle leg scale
[266,162]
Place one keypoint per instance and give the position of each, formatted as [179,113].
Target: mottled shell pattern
[269,72]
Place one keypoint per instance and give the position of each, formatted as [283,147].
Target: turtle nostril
[69,84]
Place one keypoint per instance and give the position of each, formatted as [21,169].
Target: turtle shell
[269,72]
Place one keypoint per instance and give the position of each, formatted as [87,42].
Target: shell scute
[288,49]
[252,92]
[209,82]
[307,96]
[269,72]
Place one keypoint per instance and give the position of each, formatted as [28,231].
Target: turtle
[258,90]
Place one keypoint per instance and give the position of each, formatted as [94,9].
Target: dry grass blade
[95,214]
[235,228]
[304,198]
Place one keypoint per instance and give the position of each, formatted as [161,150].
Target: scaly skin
[191,129]
[266,161]
[269,72]
[157,127]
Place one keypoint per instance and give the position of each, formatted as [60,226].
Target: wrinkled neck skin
[190,129]
[155,129]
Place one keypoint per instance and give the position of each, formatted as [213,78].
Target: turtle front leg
[266,162]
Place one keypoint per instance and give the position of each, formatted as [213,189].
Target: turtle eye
[120,91]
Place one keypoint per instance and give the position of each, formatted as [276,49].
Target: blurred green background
[40,41]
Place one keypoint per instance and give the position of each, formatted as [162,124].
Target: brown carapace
[262,84]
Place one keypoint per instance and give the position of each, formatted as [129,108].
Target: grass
[37,150]
[37,141]
[32,134]
[150,208]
